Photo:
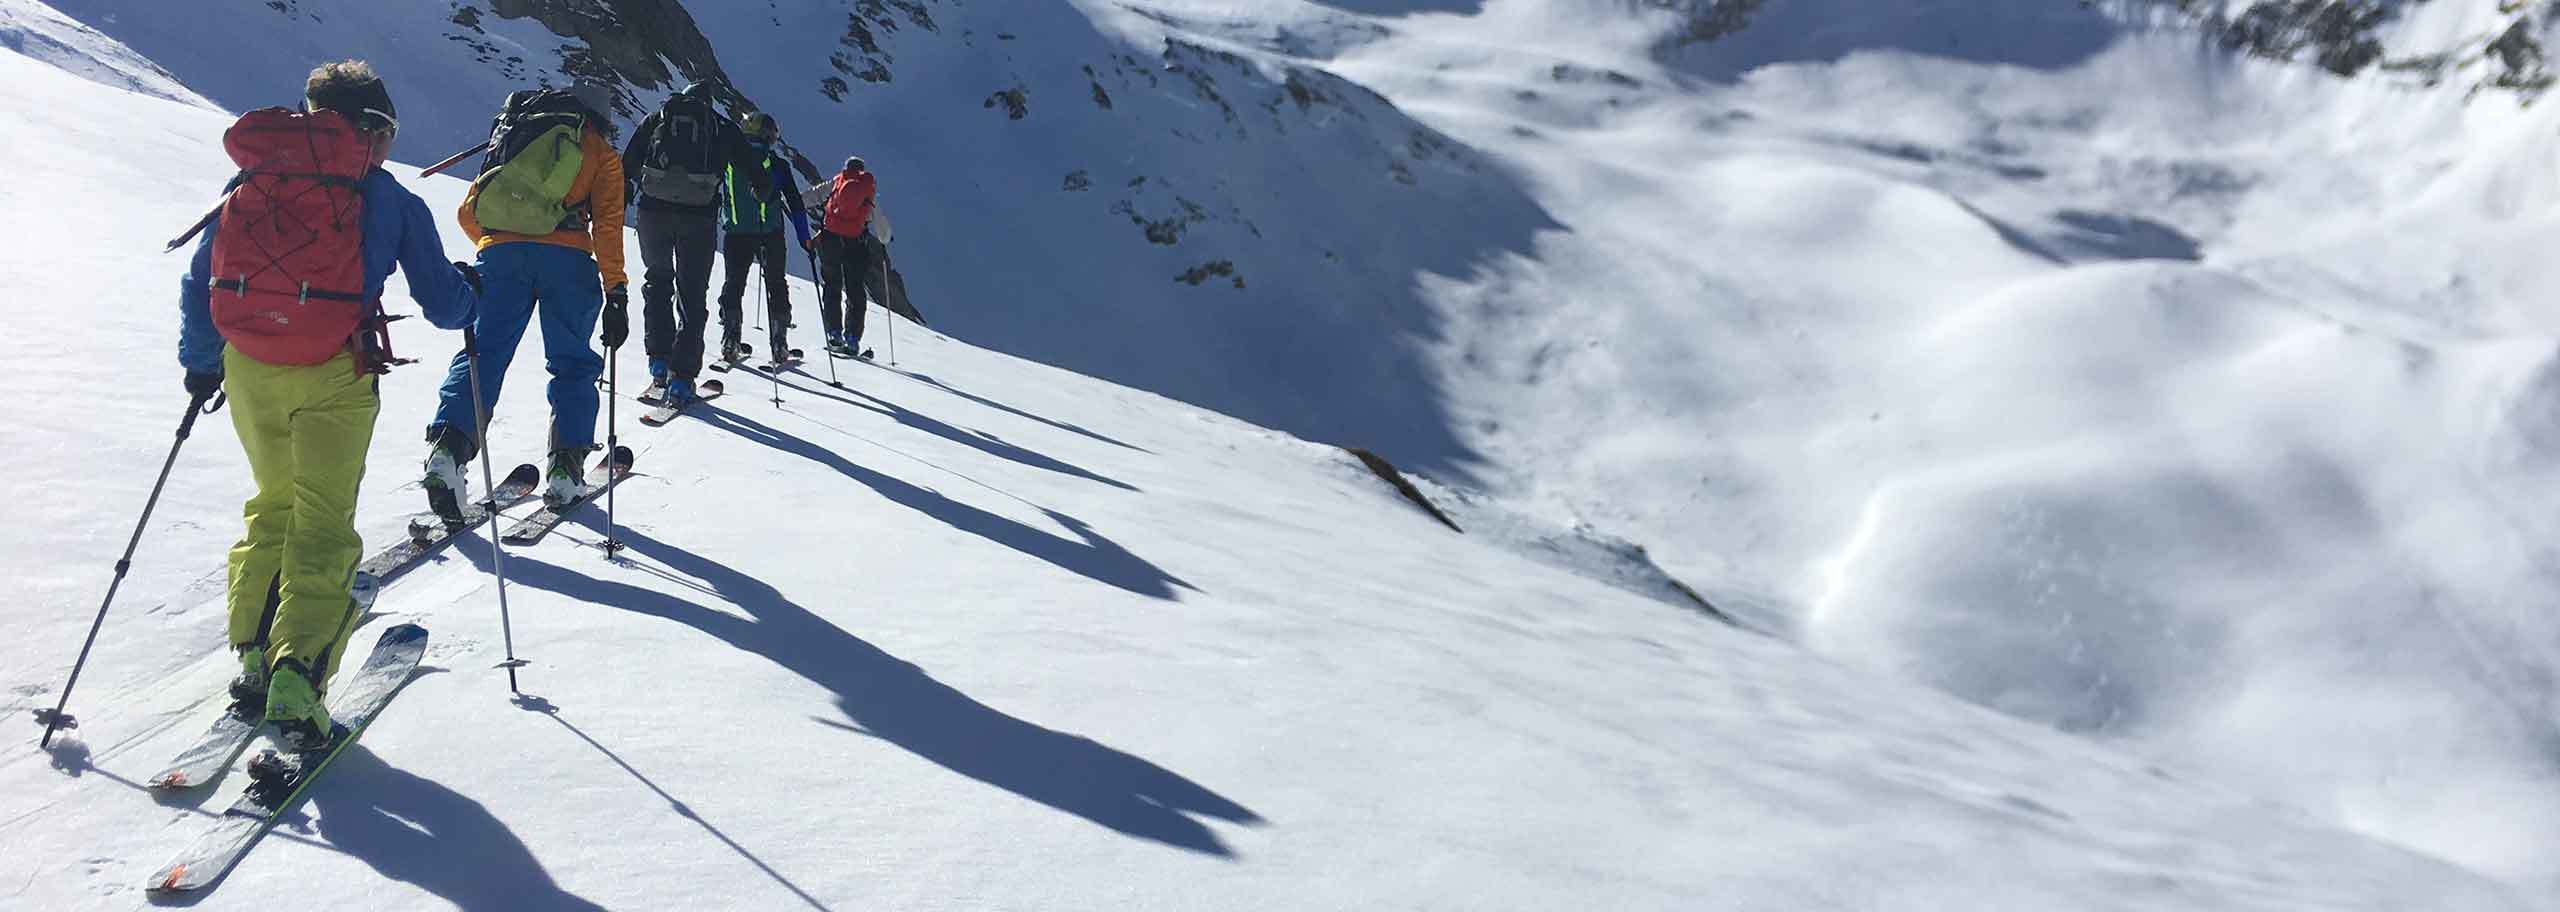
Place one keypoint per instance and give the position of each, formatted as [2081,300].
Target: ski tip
[525,473]
[169,883]
[714,386]
[403,633]
[175,780]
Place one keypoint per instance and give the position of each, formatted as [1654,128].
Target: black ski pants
[737,253]
[842,264]
[675,284]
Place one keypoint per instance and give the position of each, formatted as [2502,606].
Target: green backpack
[535,153]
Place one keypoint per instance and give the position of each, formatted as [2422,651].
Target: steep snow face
[977,633]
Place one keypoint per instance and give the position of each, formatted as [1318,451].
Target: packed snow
[2181,416]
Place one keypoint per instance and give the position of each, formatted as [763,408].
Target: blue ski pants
[519,279]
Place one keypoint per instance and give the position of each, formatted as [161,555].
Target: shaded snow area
[2125,463]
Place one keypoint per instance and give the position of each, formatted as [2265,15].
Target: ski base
[280,780]
[201,762]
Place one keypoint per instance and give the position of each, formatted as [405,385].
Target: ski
[724,363]
[779,365]
[277,780]
[430,531]
[657,392]
[529,531]
[211,754]
[709,390]
[231,732]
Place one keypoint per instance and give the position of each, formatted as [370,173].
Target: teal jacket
[740,213]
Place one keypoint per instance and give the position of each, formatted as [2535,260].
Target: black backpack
[527,115]
[684,157]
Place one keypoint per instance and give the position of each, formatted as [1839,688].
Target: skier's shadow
[1069,427]
[891,699]
[1096,557]
[414,830]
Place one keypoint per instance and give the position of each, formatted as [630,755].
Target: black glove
[617,316]
[203,386]
[470,274]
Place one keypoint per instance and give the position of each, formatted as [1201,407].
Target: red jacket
[849,203]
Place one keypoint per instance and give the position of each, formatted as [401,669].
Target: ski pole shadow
[1091,555]
[888,698]
[928,380]
[981,441]
[413,830]
[547,709]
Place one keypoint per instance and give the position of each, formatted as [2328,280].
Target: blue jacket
[399,233]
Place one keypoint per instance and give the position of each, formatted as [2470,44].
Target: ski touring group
[281,318]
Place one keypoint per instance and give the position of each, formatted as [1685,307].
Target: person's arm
[605,201]
[446,299]
[636,151]
[199,343]
[790,192]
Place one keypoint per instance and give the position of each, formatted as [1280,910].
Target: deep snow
[978,633]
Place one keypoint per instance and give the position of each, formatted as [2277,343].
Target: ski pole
[812,251]
[612,443]
[488,477]
[56,718]
[888,317]
[778,353]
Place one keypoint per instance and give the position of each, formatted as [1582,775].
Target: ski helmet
[854,164]
[760,125]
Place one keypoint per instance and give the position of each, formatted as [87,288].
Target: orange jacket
[599,186]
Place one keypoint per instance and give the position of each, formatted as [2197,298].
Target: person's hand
[810,244]
[470,274]
[617,316]
[202,386]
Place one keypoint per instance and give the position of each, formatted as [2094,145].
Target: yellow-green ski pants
[306,430]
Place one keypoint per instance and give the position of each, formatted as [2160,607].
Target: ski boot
[567,479]
[837,346]
[294,707]
[249,690]
[447,485]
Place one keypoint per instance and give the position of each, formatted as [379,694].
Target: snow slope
[980,633]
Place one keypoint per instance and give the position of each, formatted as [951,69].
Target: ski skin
[395,657]
[531,530]
[711,389]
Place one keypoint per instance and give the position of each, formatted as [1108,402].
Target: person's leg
[831,283]
[506,306]
[775,255]
[572,298]
[658,284]
[737,253]
[697,239]
[857,264]
[332,430]
[260,412]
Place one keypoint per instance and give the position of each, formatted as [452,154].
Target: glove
[810,244]
[617,316]
[470,274]
[203,386]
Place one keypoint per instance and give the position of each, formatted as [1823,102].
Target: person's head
[350,88]
[854,165]
[761,127]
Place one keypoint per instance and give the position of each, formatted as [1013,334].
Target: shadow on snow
[891,699]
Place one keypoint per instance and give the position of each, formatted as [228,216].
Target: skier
[675,161]
[541,251]
[281,310]
[753,234]
[844,261]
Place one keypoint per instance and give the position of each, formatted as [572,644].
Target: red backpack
[849,204]
[288,262]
